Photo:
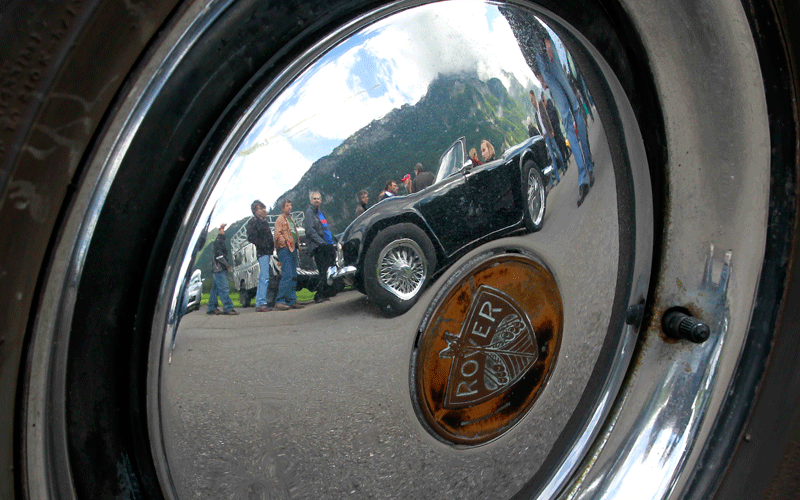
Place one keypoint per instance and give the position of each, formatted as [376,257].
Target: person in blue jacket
[320,244]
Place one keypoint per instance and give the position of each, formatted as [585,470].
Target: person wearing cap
[219,269]
[422,178]
[406,180]
[260,235]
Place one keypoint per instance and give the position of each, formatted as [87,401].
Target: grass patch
[305,296]
[234,298]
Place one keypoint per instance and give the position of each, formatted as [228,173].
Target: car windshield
[452,161]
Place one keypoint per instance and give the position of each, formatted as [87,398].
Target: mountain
[521,94]
[388,148]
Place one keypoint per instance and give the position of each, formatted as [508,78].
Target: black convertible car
[401,243]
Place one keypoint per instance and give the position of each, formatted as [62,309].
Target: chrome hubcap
[402,268]
[587,252]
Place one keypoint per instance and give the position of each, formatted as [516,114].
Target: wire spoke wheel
[402,268]
[535,197]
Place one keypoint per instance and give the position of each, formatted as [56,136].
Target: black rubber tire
[530,169]
[389,303]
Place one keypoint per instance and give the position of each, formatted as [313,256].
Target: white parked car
[194,291]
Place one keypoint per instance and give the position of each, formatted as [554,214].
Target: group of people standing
[319,242]
[422,179]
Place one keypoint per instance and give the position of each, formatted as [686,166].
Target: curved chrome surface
[402,268]
[718,199]
[317,402]
[271,416]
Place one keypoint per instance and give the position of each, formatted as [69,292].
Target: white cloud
[448,38]
[335,101]
[263,173]
[406,53]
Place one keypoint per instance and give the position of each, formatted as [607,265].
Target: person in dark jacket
[260,235]
[548,131]
[363,200]
[552,113]
[388,191]
[319,242]
[487,151]
[422,179]
[220,265]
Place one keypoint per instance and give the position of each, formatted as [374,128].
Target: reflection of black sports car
[399,244]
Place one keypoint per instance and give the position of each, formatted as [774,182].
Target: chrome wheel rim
[402,268]
[535,198]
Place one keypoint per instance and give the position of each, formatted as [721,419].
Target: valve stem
[679,325]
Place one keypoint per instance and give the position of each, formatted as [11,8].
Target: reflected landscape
[435,149]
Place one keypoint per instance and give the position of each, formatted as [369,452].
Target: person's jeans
[556,80]
[287,292]
[580,149]
[220,289]
[555,155]
[263,281]
[584,137]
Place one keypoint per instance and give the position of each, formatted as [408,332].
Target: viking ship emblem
[494,349]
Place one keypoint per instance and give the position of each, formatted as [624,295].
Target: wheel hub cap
[401,270]
[488,349]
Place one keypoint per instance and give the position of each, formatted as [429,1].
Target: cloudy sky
[383,67]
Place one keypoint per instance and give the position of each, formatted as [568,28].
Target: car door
[493,193]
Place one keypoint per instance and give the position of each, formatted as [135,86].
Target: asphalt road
[315,403]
